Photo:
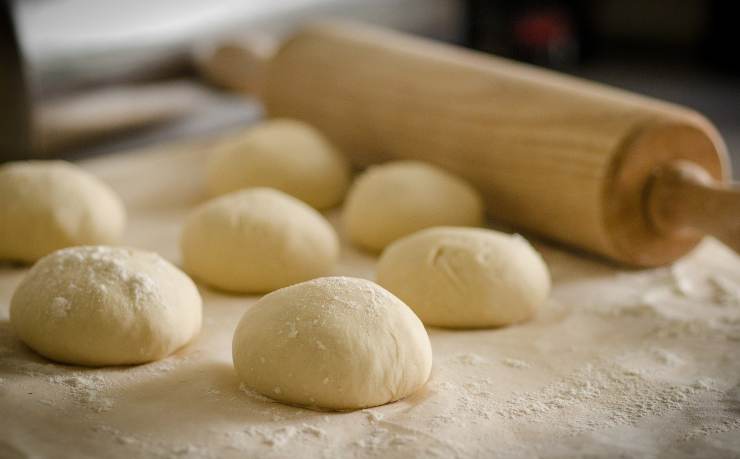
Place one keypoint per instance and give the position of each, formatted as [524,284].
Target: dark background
[681,51]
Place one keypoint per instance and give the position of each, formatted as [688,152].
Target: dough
[335,343]
[257,240]
[98,305]
[465,277]
[49,205]
[284,154]
[395,199]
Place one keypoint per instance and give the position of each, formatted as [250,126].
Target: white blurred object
[79,119]
[65,41]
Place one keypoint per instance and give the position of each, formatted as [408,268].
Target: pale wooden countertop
[617,363]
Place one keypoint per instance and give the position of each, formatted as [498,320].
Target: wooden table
[632,363]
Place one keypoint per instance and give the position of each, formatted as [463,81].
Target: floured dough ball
[257,240]
[465,277]
[285,154]
[98,305]
[49,205]
[335,343]
[398,198]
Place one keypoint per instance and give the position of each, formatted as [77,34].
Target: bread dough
[395,199]
[336,343]
[465,277]
[98,305]
[49,205]
[257,240]
[285,154]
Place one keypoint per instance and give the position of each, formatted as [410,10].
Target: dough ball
[335,343]
[285,154]
[257,240]
[395,199]
[49,205]
[465,277]
[98,305]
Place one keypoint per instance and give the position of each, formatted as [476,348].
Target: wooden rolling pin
[625,176]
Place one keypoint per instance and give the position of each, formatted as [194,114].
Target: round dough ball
[395,199]
[335,343]
[98,305]
[49,205]
[257,240]
[465,277]
[285,154]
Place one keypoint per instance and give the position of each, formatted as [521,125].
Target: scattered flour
[600,396]
[678,308]
[280,436]
[514,363]
[60,307]
[85,389]
[682,284]
[380,438]
[292,329]
[186,450]
[469,359]
[728,424]
[630,382]
[162,366]
[313,431]
[373,416]
[724,291]
[147,447]
[667,358]
[119,436]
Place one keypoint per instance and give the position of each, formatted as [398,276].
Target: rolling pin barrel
[553,155]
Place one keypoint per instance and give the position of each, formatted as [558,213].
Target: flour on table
[667,358]
[683,312]
[147,447]
[85,389]
[624,363]
[470,359]
[280,436]
[515,363]
[380,438]
[682,284]
[373,416]
[313,430]
[726,425]
[253,394]
[725,291]
[186,450]
[611,394]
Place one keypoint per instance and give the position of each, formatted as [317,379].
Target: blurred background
[89,77]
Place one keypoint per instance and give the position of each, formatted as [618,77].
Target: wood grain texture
[552,154]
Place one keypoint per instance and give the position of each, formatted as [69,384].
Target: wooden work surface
[631,363]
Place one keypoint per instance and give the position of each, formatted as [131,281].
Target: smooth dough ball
[257,240]
[335,343]
[465,277]
[49,205]
[395,199]
[99,305]
[285,154]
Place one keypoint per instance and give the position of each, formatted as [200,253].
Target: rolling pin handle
[684,198]
[237,64]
